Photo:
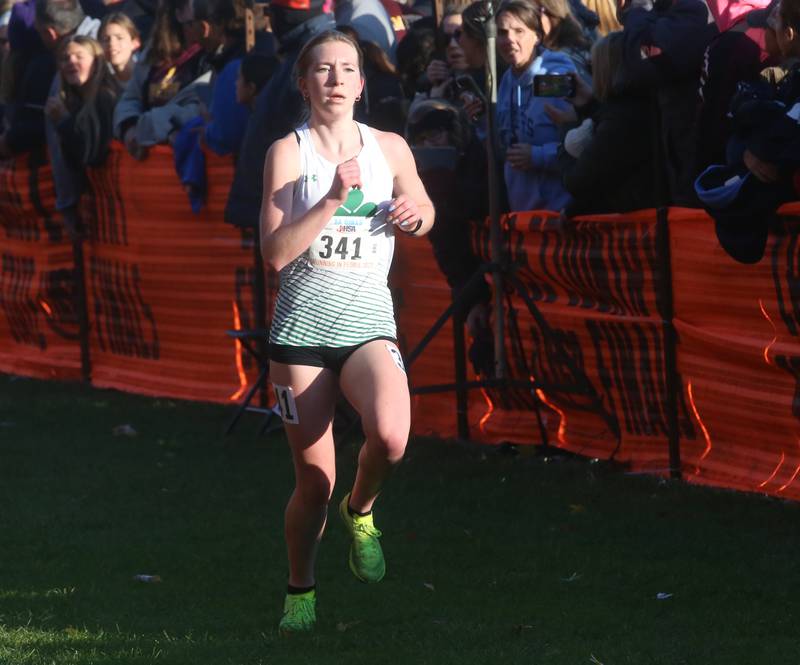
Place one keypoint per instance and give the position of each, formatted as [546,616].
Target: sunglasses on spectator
[456,34]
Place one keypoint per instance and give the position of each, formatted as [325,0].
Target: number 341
[341,248]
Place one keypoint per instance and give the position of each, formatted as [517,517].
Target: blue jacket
[225,132]
[521,118]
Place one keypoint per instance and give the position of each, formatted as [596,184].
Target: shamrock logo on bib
[348,241]
[352,207]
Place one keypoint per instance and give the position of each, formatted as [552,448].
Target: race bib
[350,243]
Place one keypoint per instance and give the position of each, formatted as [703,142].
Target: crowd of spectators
[672,102]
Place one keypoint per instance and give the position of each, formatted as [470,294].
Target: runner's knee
[389,440]
[314,487]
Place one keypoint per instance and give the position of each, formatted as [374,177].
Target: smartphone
[553,85]
[465,83]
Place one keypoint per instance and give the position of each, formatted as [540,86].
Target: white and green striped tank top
[335,293]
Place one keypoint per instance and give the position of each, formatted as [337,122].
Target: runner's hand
[347,176]
[403,212]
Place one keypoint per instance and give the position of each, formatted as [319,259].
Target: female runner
[335,192]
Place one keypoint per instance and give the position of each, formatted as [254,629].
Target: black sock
[352,512]
[297,590]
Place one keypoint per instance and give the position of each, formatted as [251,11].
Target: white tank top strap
[316,172]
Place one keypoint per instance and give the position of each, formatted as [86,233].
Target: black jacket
[24,115]
[614,173]
[84,144]
[279,109]
[460,198]
[764,120]
[664,50]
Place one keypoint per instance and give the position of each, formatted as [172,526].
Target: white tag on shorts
[284,395]
[398,359]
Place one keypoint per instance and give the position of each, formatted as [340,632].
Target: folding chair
[254,342]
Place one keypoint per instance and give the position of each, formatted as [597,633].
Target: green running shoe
[299,613]
[366,556]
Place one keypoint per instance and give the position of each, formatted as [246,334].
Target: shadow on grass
[491,558]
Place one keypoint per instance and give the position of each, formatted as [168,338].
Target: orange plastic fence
[594,282]
[739,357]
[421,295]
[39,324]
[164,286]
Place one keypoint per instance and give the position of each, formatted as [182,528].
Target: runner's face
[333,80]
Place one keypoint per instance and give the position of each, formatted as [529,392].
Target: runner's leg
[377,388]
[311,442]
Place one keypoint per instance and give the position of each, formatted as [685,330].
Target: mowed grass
[492,558]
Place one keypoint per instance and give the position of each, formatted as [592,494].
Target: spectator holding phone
[472,40]
[440,72]
[527,134]
[562,31]
[462,80]
[607,162]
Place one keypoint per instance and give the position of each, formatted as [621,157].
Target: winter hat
[438,114]
[718,186]
[743,208]
[288,14]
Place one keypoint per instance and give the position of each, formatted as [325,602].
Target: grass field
[492,558]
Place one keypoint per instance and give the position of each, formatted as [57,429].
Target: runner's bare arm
[411,203]
[282,240]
